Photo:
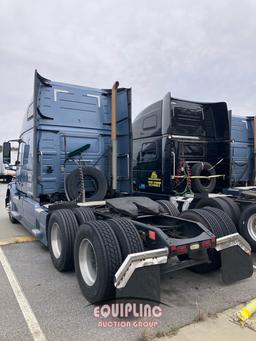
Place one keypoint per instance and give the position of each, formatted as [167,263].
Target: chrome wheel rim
[55,240]
[87,262]
[251,226]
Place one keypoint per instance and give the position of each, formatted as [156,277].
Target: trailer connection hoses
[183,174]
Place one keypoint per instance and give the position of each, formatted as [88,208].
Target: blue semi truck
[242,151]
[74,192]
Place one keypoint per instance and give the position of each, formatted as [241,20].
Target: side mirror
[6,152]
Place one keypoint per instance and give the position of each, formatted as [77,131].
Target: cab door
[24,166]
[148,165]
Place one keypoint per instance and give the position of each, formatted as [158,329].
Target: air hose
[183,173]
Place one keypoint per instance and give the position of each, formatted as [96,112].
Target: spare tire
[203,185]
[95,184]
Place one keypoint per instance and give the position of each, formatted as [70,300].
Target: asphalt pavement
[63,313]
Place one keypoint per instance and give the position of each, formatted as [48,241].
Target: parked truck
[194,154]
[242,151]
[7,170]
[73,192]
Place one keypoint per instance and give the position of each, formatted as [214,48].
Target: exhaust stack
[113,136]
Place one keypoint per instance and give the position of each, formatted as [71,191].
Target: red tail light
[182,249]
[206,243]
[152,235]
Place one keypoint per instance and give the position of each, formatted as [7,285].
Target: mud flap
[139,275]
[144,284]
[236,264]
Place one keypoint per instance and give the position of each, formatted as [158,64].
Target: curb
[17,240]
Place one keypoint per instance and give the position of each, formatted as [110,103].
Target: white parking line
[25,307]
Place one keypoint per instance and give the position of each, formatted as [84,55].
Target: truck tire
[97,258]
[98,181]
[83,215]
[11,218]
[210,221]
[203,185]
[62,229]
[168,207]
[236,212]
[127,236]
[247,225]
[217,203]
[207,219]
[223,218]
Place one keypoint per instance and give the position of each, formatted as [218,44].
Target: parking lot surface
[64,314]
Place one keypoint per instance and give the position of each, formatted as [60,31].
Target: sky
[196,49]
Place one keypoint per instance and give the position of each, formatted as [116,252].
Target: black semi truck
[181,146]
[182,152]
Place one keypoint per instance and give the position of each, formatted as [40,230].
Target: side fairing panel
[124,141]
[241,149]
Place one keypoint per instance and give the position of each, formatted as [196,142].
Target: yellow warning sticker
[154,180]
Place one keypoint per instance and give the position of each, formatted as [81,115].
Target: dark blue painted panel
[241,149]
[70,116]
